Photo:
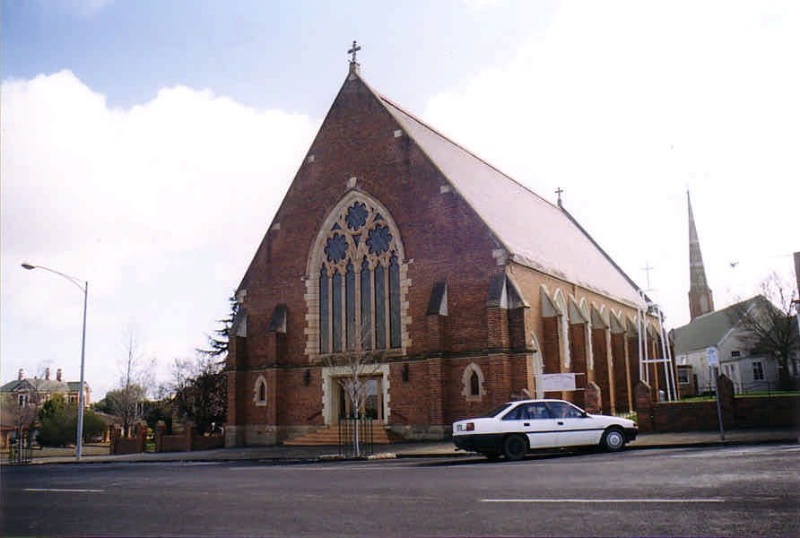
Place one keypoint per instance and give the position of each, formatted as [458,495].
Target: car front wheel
[515,447]
[613,440]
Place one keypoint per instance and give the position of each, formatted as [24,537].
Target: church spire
[701,300]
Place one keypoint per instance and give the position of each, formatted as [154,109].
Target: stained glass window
[359,282]
[350,306]
[336,311]
[394,302]
[324,318]
[380,308]
[366,305]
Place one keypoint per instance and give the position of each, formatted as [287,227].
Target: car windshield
[497,410]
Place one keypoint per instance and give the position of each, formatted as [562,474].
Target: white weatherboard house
[722,331]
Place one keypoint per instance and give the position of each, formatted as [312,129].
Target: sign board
[556,382]
[712,356]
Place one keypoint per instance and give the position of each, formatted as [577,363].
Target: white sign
[556,382]
[712,357]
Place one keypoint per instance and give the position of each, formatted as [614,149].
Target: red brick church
[396,239]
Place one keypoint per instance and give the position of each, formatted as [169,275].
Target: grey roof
[710,329]
[535,232]
[41,385]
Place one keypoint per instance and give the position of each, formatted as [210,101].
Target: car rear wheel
[613,440]
[515,447]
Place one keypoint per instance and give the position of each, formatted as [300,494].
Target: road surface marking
[607,501]
[63,490]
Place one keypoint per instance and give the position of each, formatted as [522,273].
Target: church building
[395,240]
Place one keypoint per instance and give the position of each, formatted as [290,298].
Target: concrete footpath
[420,449]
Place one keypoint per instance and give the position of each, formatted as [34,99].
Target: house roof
[710,329]
[41,385]
[535,232]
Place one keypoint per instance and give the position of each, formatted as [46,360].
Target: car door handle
[560,422]
[527,424]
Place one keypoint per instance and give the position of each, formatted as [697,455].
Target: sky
[147,145]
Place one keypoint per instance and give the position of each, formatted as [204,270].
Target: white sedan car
[514,428]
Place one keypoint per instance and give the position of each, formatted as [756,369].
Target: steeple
[701,300]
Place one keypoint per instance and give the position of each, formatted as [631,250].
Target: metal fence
[18,452]
[356,436]
[762,388]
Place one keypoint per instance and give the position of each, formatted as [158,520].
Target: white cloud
[627,104]
[160,207]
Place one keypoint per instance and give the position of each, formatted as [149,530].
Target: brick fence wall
[183,442]
[737,413]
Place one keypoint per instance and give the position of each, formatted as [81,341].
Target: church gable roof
[535,232]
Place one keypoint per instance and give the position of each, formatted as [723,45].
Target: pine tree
[218,344]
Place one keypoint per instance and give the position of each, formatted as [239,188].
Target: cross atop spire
[352,52]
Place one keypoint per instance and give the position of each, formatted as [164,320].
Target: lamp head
[28,266]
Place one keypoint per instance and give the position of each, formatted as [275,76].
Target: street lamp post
[83,285]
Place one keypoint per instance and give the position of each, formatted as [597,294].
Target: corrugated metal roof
[535,232]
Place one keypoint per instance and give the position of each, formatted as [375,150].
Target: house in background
[22,398]
[725,331]
[39,390]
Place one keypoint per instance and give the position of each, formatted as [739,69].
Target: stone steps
[329,436]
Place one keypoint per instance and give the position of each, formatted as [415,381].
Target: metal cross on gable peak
[353,50]
[559,192]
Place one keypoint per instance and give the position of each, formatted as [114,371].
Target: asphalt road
[732,491]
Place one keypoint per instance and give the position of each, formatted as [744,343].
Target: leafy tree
[159,410]
[200,392]
[59,423]
[56,405]
[127,403]
[57,429]
[93,425]
[770,326]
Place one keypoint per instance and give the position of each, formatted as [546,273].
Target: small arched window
[473,383]
[260,392]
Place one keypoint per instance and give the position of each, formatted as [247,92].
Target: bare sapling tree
[128,401]
[354,368]
[770,327]
[23,405]
[24,408]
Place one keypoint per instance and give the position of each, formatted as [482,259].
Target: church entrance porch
[370,403]
[373,402]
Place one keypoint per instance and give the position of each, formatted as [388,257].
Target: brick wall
[737,412]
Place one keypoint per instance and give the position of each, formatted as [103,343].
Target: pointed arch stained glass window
[359,282]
